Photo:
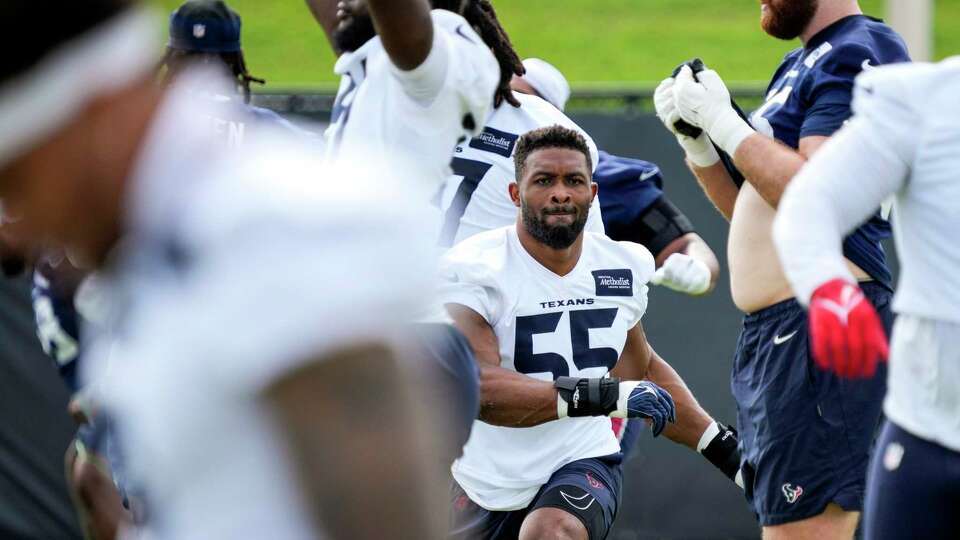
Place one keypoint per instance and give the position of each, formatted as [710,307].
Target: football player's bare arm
[718,186]
[770,165]
[325,13]
[507,398]
[639,361]
[691,244]
[95,497]
[357,438]
[405,28]
[692,420]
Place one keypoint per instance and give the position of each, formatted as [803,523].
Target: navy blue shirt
[627,189]
[810,95]
[58,326]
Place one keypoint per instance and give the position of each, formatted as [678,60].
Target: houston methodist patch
[496,141]
[614,282]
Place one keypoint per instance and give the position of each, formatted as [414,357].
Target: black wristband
[723,451]
[589,397]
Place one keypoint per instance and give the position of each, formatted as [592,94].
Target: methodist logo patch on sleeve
[614,282]
[496,141]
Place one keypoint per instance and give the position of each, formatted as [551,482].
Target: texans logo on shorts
[594,482]
[792,493]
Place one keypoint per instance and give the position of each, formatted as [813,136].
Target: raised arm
[405,28]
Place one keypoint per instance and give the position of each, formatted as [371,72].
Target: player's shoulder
[481,248]
[611,167]
[448,20]
[478,259]
[859,43]
[907,85]
[607,252]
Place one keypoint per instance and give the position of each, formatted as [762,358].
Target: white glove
[707,104]
[700,150]
[683,273]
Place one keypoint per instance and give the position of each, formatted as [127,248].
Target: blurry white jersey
[921,103]
[476,198]
[904,141]
[547,326]
[417,116]
[236,269]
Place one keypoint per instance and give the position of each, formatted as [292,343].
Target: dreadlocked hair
[483,18]
[175,59]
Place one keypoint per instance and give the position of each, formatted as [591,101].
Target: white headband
[108,57]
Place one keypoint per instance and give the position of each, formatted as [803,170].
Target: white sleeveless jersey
[415,117]
[476,198]
[547,326]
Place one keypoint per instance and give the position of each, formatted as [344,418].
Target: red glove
[845,331]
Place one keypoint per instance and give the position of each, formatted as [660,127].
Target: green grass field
[616,43]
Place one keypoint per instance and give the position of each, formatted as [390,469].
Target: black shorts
[805,434]
[587,488]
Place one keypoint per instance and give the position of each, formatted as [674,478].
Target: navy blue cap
[205,26]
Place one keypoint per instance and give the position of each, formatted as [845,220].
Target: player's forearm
[511,399]
[405,28]
[768,165]
[692,420]
[718,186]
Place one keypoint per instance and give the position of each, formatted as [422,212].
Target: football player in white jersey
[903,142]
[476,199]
[247,305]
[414,81]
[550,310]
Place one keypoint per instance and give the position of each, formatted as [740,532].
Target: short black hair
[555,136]
[52,25]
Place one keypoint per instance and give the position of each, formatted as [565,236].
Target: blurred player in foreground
[542,461]
[904,138]
[805,435]
[635,209]
[242,390]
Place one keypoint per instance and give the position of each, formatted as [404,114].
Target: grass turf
[611,43]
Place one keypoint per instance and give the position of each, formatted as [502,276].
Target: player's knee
[552,524]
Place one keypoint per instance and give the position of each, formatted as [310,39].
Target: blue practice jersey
[58,326]
[628,187]
[810,95]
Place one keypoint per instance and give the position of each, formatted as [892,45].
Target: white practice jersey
[476,197]
[904,141]
[237,268]
[547,326]
[416,116]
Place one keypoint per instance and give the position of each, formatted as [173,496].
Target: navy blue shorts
[805,434]
[913,490]
[456,377]
[587,488]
